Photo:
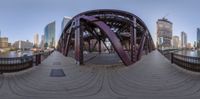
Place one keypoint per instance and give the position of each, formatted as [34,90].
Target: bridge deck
[153,77]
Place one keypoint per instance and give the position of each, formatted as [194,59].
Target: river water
[15,54]
[19,54]
[194,53]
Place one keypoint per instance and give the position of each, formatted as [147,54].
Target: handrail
[187,62]
[186,56]
[14,64]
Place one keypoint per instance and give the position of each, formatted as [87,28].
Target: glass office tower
[50,34]
[198,37]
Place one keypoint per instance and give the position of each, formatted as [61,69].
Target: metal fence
[186,62]
[167,53]
[20,63]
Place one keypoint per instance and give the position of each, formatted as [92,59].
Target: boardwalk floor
[153,77]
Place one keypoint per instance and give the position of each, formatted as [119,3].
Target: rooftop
[165,20]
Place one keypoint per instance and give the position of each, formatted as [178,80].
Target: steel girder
[111,36]
[106,21]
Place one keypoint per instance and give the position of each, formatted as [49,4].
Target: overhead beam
[111,36]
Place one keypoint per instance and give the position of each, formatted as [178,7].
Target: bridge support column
[142,42]
[78,42]
[89,45]
[64,43]
[172,56]
[133,41]
[99,45]
[67,44]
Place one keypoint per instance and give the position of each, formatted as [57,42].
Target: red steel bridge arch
[119,27]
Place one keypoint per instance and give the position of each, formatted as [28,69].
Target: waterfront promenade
[153,77]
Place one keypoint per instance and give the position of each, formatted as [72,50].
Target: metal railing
[20,63]
[186,62]
[167,53]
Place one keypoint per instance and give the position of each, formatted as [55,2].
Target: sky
[21,19]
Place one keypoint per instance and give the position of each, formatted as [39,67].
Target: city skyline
[99,49]
[34,19]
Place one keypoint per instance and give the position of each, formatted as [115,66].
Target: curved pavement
[153,77]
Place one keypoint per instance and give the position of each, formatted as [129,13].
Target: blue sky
[21,19]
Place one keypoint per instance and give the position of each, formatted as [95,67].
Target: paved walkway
[153,77]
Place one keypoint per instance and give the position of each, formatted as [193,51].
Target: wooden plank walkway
[153,77]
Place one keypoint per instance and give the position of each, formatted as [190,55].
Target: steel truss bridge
[127,34]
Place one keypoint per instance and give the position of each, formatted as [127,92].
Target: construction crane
[166,16]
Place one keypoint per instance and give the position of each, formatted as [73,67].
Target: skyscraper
[42,42]
[189,45]
[164,33]
[175,42]
[183,40]
[3,42]
[49,31]
[195,44]
[36,40]
[64,22]
[198,37]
